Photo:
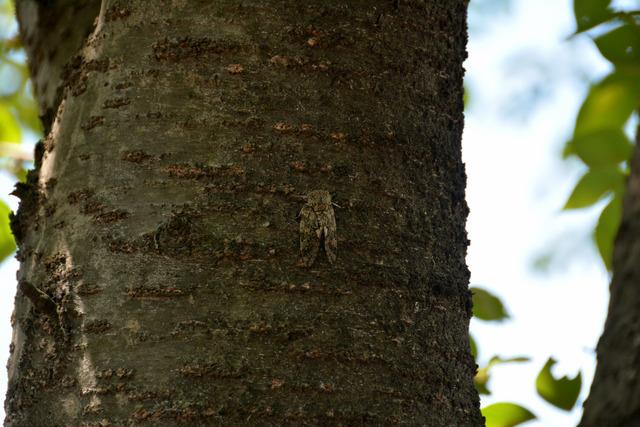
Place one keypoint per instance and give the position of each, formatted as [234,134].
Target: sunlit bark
[160,278]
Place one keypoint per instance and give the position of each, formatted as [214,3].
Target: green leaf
[506,415]
[607,228]
[609,103]
[594,185]
[482,376]
[9,127]
[7,244]
[590,13]
[474,347]
[621,45]
[480,381]
[605,147]
[465,97]
[487,306]
[27,111]
[568,149]
[562,393]
[20,173]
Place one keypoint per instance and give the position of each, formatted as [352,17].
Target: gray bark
[160,278]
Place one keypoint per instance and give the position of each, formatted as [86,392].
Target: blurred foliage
[18,113]
[18,110]
[595,184]
[562,393]
[7,244]
[487,306]
[482,376]
[600,139]
[506,415]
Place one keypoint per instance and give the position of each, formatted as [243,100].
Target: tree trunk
[614,399]
[161,280]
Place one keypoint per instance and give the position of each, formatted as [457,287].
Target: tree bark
[614,399]
[161,281]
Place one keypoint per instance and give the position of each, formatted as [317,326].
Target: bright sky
[526,84]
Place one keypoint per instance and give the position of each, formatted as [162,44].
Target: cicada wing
[330,235]
[309,239]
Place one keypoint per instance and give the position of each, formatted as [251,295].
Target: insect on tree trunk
[161,278]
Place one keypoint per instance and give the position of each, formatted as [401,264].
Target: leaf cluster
[560,392]
[18,113]
[599,138]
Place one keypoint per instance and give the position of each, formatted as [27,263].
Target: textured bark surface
[52,33]
[614,399]
[161,281]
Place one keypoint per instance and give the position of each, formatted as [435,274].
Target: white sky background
[526,84]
